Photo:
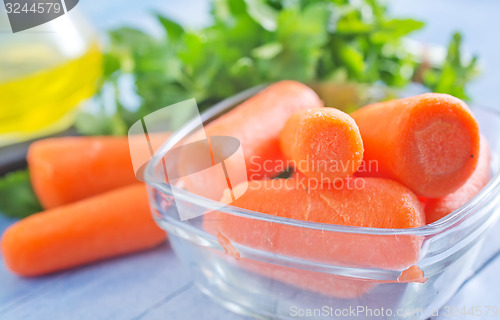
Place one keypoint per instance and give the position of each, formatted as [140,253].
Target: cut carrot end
[412,274]
[323,143]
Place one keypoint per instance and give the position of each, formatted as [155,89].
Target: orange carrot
[324,143]
[64,170]
[107,225]
[257,124]
[361,202]
[436,209]
[429,142]
[367,202]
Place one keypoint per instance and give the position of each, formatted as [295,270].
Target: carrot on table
[323,143]
[436,209]
[103,226]
[429,142]
[64,170]
[257,124]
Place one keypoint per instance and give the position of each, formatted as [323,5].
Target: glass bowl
[307,278]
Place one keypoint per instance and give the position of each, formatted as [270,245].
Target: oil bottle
[46,74]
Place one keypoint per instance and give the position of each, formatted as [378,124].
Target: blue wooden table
[154,284]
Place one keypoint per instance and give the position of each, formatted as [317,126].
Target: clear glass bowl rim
[437,227]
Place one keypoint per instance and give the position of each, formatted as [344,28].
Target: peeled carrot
[377,203]
[107,225]
[361,202]
[324,143]
[429,142]
[366,202]
[436,209]
[64,170]
[257,124]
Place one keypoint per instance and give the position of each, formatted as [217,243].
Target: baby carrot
[429,142]
[107,225]
[324,143]
[436,209]
[362,202]
[367,202]
[64,170]
[257,124]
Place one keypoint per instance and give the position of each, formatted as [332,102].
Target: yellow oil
[40,102]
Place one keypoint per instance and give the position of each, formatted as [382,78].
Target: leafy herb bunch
[250,42]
